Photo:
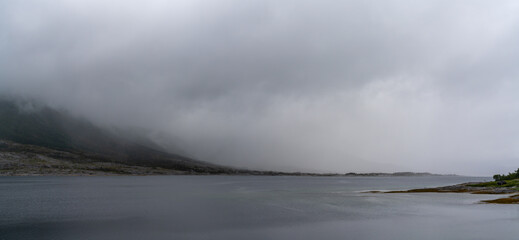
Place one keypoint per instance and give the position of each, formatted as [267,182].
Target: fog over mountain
[330,86]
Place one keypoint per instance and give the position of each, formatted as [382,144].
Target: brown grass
[508,200]
[430,190]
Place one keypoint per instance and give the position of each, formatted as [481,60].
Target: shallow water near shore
[246,207]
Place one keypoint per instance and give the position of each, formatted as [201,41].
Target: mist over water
[281,85]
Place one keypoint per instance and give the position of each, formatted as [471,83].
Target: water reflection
[237,207]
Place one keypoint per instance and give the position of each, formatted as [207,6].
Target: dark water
[244,207]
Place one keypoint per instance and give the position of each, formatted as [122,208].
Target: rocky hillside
[47,137]
[22,159]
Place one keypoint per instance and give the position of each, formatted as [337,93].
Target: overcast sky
[332,86]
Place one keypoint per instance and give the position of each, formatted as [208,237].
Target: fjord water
[246,207]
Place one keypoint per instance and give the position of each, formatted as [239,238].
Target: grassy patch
[508,200]
[509,183]
[431,190]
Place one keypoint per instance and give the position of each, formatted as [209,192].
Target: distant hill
[38,140]
[57,130]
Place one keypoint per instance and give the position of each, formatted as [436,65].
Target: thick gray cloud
[292,85]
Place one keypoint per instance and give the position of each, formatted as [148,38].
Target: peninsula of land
[505,187]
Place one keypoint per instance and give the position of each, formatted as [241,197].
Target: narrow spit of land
[510,188]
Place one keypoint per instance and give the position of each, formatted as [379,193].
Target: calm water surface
[246,207]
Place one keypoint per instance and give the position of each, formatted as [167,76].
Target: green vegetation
[499,186]
[511,180]
[510,176]
[509,183]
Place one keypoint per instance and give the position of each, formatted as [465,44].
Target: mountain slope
[56,130]
[23,159]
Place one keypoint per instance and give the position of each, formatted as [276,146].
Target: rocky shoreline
[509,189]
